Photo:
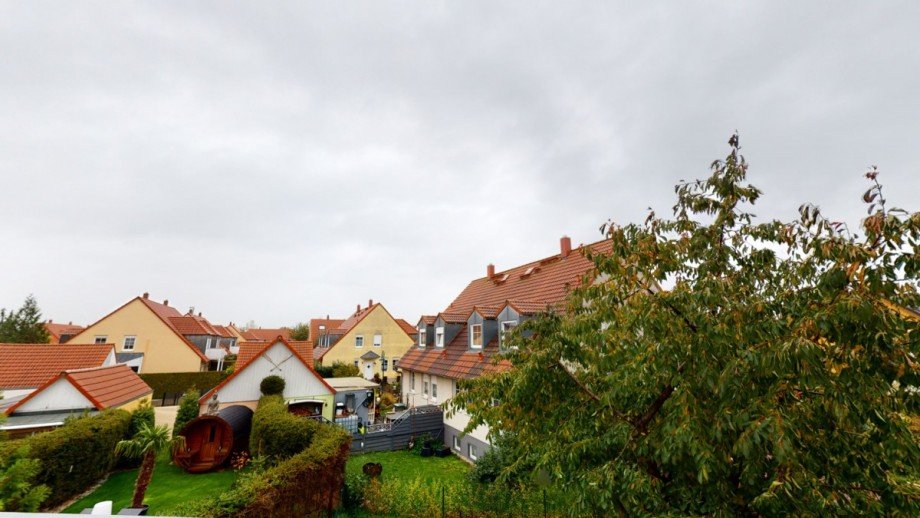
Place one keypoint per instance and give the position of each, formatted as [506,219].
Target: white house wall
[60,395]
[457,421]
[298,380]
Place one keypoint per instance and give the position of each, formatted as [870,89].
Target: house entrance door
[368,371]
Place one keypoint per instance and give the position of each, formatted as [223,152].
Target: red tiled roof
[455,360]
[304,348]
[166,313]
[223,332]
[530,288]
[188,325]
[549,281]
[407,327]
[249,350]
[267,335]
[330,324]
[25,366]
[428,319]
[56,330]
[105,387]
[358,316]
[240,367]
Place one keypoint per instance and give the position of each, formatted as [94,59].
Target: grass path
[170,486]
[406,466]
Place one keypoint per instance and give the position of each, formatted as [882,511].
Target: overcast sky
[280,161]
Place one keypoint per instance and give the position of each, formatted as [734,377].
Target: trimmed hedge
[277,433]
[179,382]
[76,455]
[307,484]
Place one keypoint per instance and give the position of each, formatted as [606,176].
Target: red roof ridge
[267,346]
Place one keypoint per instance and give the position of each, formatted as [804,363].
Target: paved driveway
[166,415]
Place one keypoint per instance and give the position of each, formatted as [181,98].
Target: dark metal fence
[396,434]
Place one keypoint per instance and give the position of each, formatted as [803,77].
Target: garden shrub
[76,455]
[323,370]
[272,385]
[306,484]
[179,382]
[188,410]
[277,433]
[344,370]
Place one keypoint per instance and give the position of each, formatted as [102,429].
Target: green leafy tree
[301,331]
[188,410]
[146,444]
[24,325]
[716,365]
[344,370]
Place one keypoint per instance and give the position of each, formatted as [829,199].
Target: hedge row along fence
[178,382]
[307,483]
[76,455]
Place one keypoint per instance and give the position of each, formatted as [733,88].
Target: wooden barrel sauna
[211,439]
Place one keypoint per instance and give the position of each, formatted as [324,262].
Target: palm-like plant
[146,444]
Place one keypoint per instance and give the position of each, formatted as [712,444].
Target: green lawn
[170,486]
[406,466]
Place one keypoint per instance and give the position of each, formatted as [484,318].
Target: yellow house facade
[372,340]
[144,339]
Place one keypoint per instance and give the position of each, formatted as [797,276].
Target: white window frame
[439,337]
[101,339]
[473,336]
[471,451]
[356,364]
[457,442]
[425,388]
[434,388]
[359,341]
[383,364]
[124,343]
[421,336]
[412,380]
[378,339]
[209,345]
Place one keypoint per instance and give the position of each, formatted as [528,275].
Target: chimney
[146,295]
[490,271]
[199,313]
[370,302]
[165,302]
[49,321]
[565,246]
[358,310]
[191,311]
[70,323]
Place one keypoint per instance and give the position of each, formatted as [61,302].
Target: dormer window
[439,337]
[507,326]
[322,327]
[421,336]
[476,336]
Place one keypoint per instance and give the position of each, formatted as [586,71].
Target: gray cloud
[277,162]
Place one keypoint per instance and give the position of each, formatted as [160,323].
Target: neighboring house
[324,331]
[62,333]
[214,341]
[147,338]
[370,339]
[305,391]
[25,367]
[75,392]
[458,343]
